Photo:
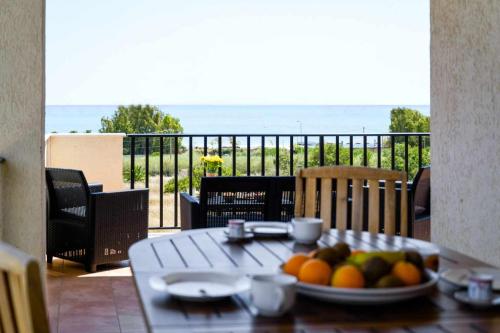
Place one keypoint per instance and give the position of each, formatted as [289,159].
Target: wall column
[22,93]
[465,126]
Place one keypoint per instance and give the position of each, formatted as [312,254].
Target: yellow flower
[212,162]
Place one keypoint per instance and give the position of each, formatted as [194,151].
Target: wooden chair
[306,196]
[22,304]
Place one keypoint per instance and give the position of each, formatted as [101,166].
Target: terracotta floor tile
[92,308]
[89,324]
[99,302]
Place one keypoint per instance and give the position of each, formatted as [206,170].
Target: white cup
[272,295]
[307,230]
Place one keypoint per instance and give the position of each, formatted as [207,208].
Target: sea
[231,119]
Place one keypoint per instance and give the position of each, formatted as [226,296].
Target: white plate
[269,229]
[200,286]
[367,296]
[460,276]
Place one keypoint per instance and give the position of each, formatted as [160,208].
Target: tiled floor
[102,302]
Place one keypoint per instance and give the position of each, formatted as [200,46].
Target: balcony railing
[176,158]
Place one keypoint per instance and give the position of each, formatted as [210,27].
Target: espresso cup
[307,230]
[272,295]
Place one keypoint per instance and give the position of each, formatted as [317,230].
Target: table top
[207,249]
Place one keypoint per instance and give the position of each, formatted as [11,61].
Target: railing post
[321,150]
[161,181]
[365,151]
[379,151]
[176,179]
[419,151]
[248,156]
[190,171]
[146,152]
[263,155]
[337,150]
[393,158]
[132,162]
[351,150]
[234,155]
[406,153]
[277,153]
[219,151]
[291,156]
[205,151]
[306,147]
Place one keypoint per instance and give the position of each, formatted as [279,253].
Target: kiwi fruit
[415,258]
[389,281]
[330,255]
[343,250]
[375,268]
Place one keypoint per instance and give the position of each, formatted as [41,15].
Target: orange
[407,272]
[348,276]
[292,266]
[315,271]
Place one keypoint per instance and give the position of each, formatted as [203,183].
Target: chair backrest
[68,192]
[421,190]
[249,198]
[22,303]
[307,197]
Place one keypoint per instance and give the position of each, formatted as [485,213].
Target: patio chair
[335,192]
[249,198]
[92,228]
[22,302]
[421,204]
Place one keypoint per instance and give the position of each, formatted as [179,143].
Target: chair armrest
[119,211]
[190,211]
[95,187]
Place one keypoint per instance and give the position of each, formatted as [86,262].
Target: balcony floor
[102,302]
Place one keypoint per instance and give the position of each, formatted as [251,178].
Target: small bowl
[307,230]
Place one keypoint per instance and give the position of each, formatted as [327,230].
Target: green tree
[404,120]
[142,119]
[408,120]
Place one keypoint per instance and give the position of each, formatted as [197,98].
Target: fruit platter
[340,275]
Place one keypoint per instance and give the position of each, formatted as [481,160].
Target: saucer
[247,236]
[463,297]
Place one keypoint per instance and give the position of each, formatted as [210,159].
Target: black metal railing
[174,156]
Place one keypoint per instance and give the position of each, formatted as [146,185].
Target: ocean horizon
[242,119]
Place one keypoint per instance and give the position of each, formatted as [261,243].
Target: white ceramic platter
[269,229]
[460,276]
[368,296]
[200,286]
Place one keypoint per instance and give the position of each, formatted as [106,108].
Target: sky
[237,52]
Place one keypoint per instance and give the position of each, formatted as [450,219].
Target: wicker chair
[421,204]
[248,198]
[92,228]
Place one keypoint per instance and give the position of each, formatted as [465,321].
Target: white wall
[465,126]
[22,93]
[99,156]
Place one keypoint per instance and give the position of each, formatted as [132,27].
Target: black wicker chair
[92,228]
[248,198]
[421,204]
